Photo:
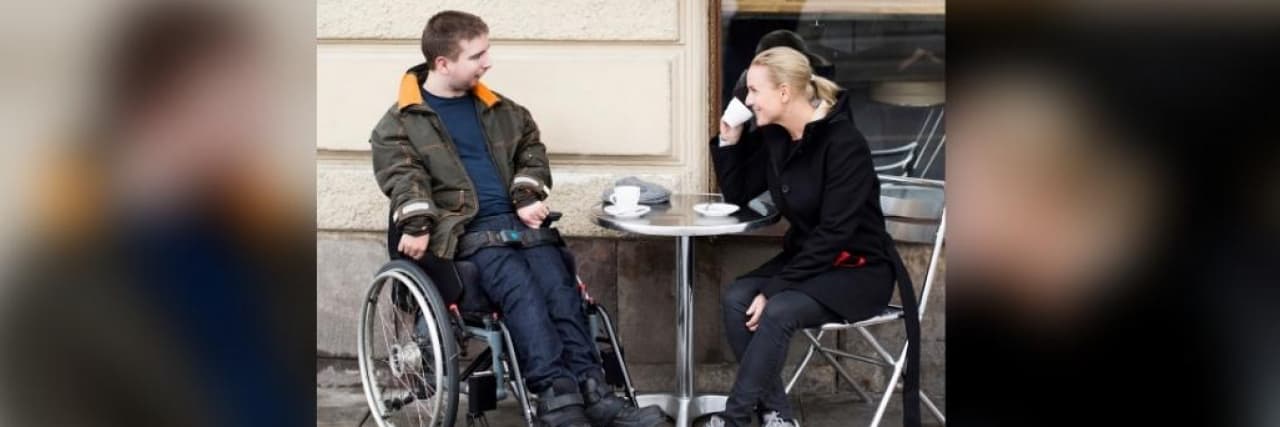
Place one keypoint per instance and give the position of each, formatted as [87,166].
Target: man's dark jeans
[541,306]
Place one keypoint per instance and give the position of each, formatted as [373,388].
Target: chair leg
[888,390]
[889,358]
[839,367]
[933,408]
[803,364]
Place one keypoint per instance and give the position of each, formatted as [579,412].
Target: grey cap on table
[650,193]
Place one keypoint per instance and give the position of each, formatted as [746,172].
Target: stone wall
[617,87]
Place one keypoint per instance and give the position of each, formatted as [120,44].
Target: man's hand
[730,134]
[755,310]
[533,214]
[414,246]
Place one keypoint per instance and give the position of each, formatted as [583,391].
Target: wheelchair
[416,323]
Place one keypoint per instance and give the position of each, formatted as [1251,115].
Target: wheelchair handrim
[373,392]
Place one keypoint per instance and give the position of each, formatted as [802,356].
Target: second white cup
[625,196]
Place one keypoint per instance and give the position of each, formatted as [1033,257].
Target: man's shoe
[561,405]
[605,409]
[774,419]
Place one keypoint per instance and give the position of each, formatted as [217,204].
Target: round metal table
[678,219]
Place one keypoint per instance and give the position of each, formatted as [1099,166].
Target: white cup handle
[613,199]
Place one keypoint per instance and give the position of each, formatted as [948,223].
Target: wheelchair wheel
[408,354]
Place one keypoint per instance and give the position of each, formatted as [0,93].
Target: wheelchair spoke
[414,371]
[405,353]
[421,394]
[397,339]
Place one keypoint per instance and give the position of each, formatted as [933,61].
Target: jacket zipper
[452,242]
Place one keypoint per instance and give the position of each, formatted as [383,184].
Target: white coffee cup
[625,196]
[736,113]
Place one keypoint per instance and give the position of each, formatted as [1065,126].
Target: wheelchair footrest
[477,420]
[612,368]
[482,395]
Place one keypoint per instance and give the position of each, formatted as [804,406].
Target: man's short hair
[446,30]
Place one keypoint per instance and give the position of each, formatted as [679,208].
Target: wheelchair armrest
[551,217]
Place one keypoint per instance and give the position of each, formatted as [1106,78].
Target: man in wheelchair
[467,174]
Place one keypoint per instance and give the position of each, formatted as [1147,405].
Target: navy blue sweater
[462,121]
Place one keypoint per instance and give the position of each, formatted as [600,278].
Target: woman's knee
[738,295]
[786,310]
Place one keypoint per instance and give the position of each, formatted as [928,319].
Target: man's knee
[549,265]
[564,303]
[516,297]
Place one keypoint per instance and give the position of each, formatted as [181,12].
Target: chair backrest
[894,161]
[912,211]
[915,211]
[930,146]
[918,157]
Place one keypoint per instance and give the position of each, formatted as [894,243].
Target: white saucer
[619,212]
[715,209]
[715,220]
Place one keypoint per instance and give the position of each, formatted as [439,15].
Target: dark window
[893,67]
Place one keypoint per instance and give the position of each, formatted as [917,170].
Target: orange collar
[411,91]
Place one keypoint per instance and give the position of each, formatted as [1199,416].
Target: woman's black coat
[837,250]
[825,186]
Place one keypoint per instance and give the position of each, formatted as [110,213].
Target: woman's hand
[730,134]
[755,310]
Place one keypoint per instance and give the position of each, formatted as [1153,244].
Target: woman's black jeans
[758,387]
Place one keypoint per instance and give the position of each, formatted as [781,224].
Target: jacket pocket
[450,200]
[848,260]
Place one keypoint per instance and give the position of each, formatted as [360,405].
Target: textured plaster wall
[648,20]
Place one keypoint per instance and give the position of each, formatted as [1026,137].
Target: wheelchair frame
[450,330]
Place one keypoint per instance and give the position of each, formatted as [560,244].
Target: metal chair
[899,208]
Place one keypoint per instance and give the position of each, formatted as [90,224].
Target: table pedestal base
[684,411]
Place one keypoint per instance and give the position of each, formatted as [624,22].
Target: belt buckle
[510,237]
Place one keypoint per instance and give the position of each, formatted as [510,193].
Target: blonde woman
[837,262]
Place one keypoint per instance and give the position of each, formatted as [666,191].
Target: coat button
[785,189]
